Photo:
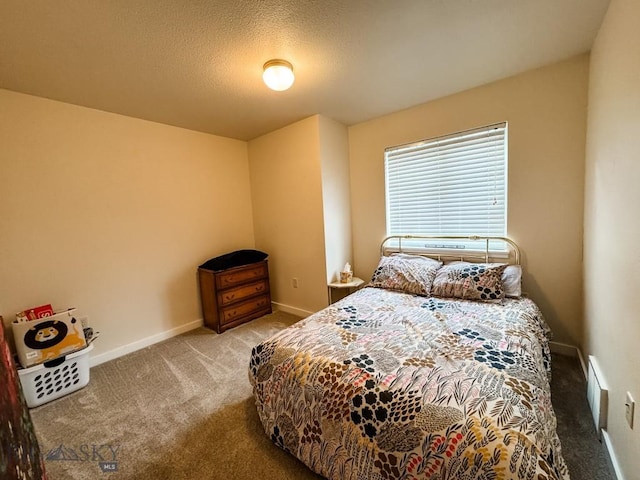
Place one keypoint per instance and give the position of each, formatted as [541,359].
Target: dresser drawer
[232,313]
[237,276]
[242,292]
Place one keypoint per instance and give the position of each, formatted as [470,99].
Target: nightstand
[350,286]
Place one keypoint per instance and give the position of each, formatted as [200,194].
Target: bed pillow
[418,258]
[406,273]
[511,279]
[470,281]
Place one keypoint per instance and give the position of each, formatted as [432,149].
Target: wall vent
[597,396]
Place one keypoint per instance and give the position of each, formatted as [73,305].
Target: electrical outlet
[629,407]
[294,282]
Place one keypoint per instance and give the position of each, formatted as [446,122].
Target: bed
[432,371]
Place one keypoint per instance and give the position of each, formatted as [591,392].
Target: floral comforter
[386,385]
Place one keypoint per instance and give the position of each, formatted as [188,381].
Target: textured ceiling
[197,64]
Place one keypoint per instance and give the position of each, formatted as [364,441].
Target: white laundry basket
[56,378]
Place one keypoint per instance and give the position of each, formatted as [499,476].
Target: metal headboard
[482,255]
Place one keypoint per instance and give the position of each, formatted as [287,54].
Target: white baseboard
[614,461]
[142,343]
[563,349]
[292,310]
[585,370]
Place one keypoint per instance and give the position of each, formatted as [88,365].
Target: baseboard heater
[597,395]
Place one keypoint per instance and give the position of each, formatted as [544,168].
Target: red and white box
[37,312]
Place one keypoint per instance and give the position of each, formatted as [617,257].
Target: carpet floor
[586,457]
[183,409]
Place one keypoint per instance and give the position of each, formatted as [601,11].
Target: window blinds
[452,185]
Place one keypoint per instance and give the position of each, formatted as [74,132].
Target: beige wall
[546,111]
[300,194]
[113,215]
[612,224]
[334,155]
[286,189]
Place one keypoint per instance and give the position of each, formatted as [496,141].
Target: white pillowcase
[512,281]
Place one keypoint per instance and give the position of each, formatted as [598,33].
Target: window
[451,185]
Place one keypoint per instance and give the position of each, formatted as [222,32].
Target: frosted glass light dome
[278,75]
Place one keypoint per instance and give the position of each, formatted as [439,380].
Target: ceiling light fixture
[278,75]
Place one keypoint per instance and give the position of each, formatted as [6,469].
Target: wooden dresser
[234,296]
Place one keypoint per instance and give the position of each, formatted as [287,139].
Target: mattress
[389,385]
